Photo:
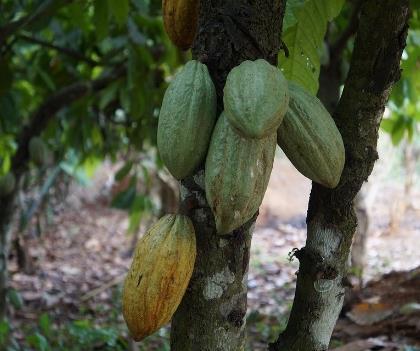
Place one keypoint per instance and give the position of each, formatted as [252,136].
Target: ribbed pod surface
[180,18]
[236,175]
[187,119]
[310,139]
[255,98]
[159,275]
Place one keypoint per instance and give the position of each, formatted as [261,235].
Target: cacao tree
[95,88]
[79,81]
[211,315]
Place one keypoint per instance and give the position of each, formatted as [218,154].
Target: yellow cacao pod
[180,19]
[159,275]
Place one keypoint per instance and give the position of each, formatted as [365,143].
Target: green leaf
[9,117]
[134,33]
[14,298]
[398,131]
[109,94]
[123,171]
[45,324]
[119,10]
[292,8]
[77,13]
[38,341]
[4,331]
[387,125]
[304,40]
[125,199]
[411,127]
[136,213]
[100,18]
[6,75]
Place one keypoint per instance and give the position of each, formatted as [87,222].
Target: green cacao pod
[7,184]
[38,151]
[180,18]
[255,98]
[310,139]
[186,120]
[236,176]
[162,266]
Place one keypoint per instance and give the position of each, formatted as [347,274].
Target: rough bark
[330,79]
[211,316]
[331,219]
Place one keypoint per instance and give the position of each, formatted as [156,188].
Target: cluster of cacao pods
[237,148]
[261,109]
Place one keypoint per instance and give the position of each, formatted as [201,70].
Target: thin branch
[50,107]
[338,47]
[46,9]
[69,52]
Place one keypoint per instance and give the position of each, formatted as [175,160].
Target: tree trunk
[211,316]
[331,220]
[330,79]
[6,212]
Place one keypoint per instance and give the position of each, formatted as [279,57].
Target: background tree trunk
[211,316]
[331,220]
[6,213]
[20,160]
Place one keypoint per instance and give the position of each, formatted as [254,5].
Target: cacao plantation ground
[70,297]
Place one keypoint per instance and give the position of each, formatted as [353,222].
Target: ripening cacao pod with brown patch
[310,139]
[162,266]
[180,18]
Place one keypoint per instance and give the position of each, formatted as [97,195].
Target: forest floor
[78,263]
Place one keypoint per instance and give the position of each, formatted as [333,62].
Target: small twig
[102,288]
[69,52]
[44,10]
[338,47]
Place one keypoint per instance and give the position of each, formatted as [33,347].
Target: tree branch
[337,48]
[375,67]
[69,52]
[43,11]
[50,107]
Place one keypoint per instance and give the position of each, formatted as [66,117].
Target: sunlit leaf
[123,171]
[100,18]
[119,10]
[304,40]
